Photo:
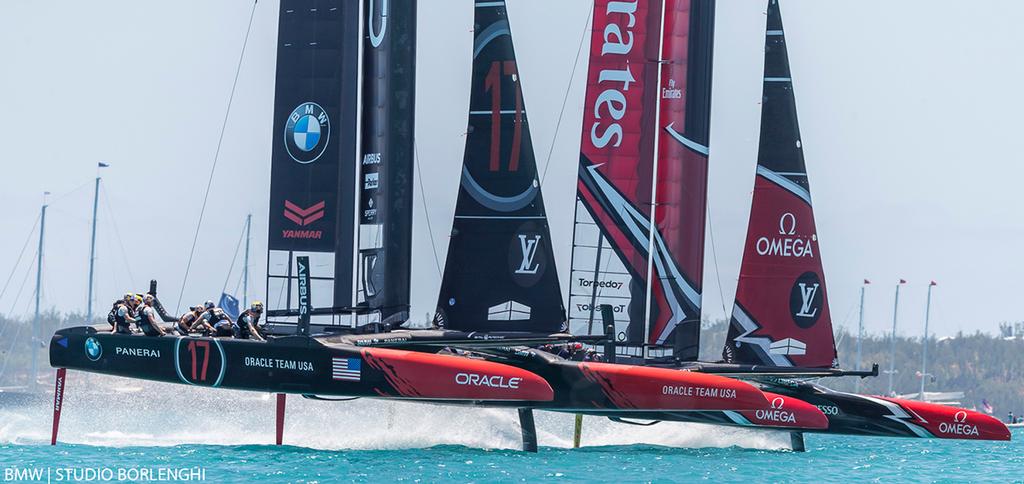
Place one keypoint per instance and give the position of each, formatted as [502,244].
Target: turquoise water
[828,459]
[121,426]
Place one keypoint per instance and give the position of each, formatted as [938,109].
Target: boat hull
[780,413]
[853,414]
[295,365]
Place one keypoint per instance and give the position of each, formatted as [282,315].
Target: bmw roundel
[93,350]
[307,132]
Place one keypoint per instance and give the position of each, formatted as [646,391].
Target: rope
[117,233]
[714,257]
[238,247]
[426,213]
[565,98]
[28,270]
[216,157]
[20,254]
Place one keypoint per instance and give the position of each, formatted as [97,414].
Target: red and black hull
[304,365]
[853,414]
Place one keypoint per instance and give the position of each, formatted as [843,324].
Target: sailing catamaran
[340,238]
[327,283]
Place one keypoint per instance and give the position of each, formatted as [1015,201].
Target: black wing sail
[313,172]
[500,271]
[385,215]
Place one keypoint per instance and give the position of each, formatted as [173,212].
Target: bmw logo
[93,350]
[307,132]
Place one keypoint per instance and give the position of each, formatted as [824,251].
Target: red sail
[615,253]
[781,315]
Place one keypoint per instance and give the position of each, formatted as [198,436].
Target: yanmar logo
[959,425]
[493,381]
[303,217]
[776,413]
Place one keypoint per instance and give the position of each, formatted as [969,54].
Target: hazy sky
[910,117]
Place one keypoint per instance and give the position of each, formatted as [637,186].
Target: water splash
[116,412]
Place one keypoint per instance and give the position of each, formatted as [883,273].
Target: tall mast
[245,268]
[860,332]
[92,243]
[924,341]
[652,228]
[39,285]
[892,342]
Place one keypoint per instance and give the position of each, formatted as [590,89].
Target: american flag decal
[346,369]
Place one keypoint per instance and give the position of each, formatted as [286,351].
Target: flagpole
[92,243]
[39,285]
[892,343]
[924,342]
[860,332]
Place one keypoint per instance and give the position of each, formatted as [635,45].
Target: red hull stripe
[647,388]
[443,377]
[947,422]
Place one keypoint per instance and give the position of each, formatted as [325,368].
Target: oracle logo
[493,381]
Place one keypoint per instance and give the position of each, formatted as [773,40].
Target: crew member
[186,323]
[123,315]
[148,321]
[217,319]
[248,324]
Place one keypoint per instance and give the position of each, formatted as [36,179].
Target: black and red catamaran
[340,239]
[338,273]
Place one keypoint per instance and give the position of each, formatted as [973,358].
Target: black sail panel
[312,202]
[500,270]
[386,182]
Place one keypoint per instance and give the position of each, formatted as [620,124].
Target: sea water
[115,429]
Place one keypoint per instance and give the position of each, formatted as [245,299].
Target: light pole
[924,341]
[892,343]
[92,244]
[860,332]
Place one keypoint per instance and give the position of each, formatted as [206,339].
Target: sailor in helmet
[122,315]
[248,324]
[148,321]
[188,321]
[216,318]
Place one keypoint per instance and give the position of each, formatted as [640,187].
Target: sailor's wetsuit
[220,322]
[185,323]
[244,320]
[145,321]
[121,315]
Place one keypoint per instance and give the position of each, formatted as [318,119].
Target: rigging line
[426,213]
[238,284]
[714,257]
[234,258]
[565,99]
[117,233]
[10,350]
[216,157]
[20,254]
[69,193]
[17,297]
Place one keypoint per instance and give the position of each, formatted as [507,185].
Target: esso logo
[828,409]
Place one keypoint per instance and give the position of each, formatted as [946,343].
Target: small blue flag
[229,304]
[103,165]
